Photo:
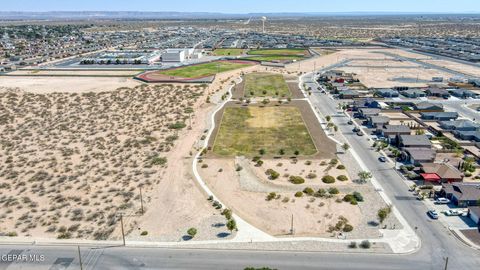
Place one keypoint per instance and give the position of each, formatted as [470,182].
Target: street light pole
[446,263]
[123,232]
[141,201]
[80,258]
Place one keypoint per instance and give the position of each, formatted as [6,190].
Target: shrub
[156,160]
[347,228]
[271,196]
[349,198]
[341,167]
[334,161]
[273,174]
[321,193]
[204,166]
[342,178]
[365,244]
[192,232]
[352,245]
[328,179]
[333,191]
[311,176]
[227,213]
[177,125]
[144,233]
[308,191]
[298,194]
[296,180]
[358,196]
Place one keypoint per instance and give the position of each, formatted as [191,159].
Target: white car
[453,213]
[442,201]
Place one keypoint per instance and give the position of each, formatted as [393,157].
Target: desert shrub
[365,244]
[177,125]
[341,167]
[271,196]
[298,194]
[308,191]
[358,196]
[192,232]
[342,178]
[204,166]
[328,179]
[320,193]
[352,245]
[347,228]
[272,174]
[311,176]
[296,180]
[144,233]
[333,191]
[334,162]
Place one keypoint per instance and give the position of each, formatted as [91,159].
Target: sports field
[206,69]
[292,52]
[266,85]
[228,52]
[276,130]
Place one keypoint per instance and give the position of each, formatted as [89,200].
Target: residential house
[438,92]
[378,121]
[460,125]
[462,194]
[474,214]
[428,106]
[414,141]
[468,135]
[439,116]
[366,103]
[387,93]
[348,94]
[414,93]
[463,93]
[393,131]
[367,112]
[417,156]
[441,173]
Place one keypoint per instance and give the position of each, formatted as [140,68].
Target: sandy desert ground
[65,84]
[72,162]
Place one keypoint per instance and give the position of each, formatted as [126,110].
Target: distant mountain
[141,15]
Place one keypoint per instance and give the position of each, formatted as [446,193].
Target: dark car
[350,122]
[355,129]
[359,133]
[382,159]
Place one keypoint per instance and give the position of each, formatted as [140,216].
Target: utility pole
[80,258]
[446,263]
[291,226]
[141,201]
[123,232]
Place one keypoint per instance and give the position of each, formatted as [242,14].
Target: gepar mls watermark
[22,258]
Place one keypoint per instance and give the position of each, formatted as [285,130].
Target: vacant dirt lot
[65,84]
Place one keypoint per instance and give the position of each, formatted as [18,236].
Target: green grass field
[246,130]
[297,52]
[266,85]
[270,58]
[228,52]
[203,70]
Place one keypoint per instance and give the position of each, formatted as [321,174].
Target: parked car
[350,122]
[442,201]
[453,213]
[382,159]
[359,133]
[432,214]
[355,129]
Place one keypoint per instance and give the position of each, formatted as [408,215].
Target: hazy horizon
[247,6]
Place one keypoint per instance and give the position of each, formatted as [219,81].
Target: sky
[246,6]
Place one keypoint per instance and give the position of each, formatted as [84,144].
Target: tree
[328,118]
[262,152]
[345,146]
[227,213]
[383,213]
[364,176]
[231,225]
[192,232]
